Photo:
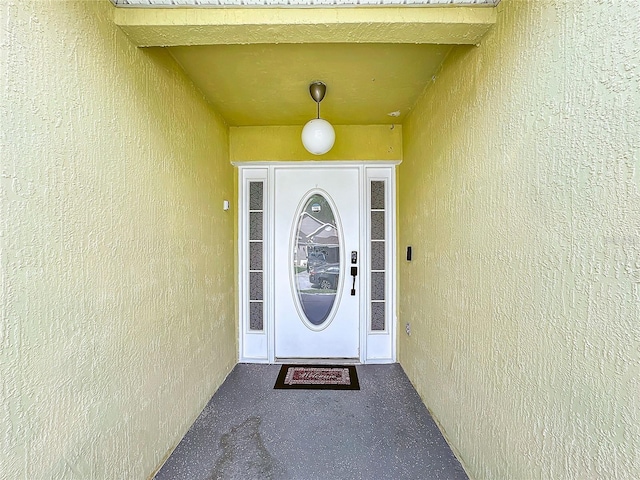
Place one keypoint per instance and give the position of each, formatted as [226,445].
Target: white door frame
[256,332]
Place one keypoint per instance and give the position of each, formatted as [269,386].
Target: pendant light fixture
[318,135]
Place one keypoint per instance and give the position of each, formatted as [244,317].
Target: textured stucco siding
[283,143]
[117,317]
[297,3]
[520,193]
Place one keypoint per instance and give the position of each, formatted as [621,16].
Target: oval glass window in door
[316,259]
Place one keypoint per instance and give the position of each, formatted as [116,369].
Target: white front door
[317,225]
[299,224]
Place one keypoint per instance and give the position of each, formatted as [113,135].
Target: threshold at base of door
[319,361]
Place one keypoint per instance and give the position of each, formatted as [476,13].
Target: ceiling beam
[147,27]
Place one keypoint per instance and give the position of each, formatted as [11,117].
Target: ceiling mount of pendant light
[318,135]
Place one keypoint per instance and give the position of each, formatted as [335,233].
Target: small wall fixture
[318,135]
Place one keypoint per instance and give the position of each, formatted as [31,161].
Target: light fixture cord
[318,109]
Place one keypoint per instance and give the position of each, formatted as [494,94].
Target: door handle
[354,274]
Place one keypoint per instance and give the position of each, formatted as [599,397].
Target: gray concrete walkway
[251,431]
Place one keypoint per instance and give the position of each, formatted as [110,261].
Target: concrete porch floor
[249,431]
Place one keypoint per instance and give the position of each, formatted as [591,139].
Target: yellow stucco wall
[117,288]
[520,193]
[241,26]
[283,143]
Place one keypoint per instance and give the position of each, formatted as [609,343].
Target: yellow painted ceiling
[268,84]
[255,64]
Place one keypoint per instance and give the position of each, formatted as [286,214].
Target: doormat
[318,377]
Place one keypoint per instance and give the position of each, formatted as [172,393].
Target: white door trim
[257,345]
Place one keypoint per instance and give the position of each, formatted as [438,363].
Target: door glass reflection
[316,259]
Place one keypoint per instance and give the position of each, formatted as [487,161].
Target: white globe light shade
[318,136]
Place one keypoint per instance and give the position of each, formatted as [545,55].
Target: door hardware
[354,274]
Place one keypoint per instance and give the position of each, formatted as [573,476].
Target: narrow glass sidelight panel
[256,256]
[378,254]
[316,259]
